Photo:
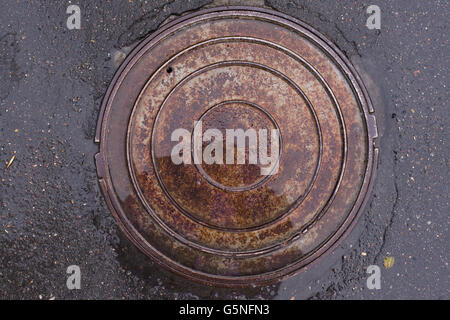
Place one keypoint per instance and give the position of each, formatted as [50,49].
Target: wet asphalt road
[52,213]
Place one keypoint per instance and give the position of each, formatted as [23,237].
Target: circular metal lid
[236,146]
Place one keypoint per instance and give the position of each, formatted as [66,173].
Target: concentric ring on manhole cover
[236,146]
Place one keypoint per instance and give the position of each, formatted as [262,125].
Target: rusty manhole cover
[236,146]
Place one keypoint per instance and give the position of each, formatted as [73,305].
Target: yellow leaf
[388,262]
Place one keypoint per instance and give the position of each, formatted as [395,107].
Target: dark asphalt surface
[53,215]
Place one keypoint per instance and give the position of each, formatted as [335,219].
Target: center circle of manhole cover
[236,146]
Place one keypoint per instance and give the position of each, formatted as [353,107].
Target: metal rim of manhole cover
[236,146]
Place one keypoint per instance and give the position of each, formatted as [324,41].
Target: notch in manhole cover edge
[227,227]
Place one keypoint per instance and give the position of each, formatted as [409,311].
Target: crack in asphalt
[393,211]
